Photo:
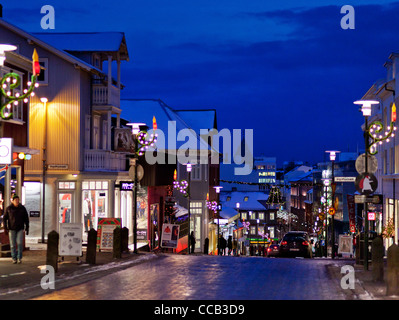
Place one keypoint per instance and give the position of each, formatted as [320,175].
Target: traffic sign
[372,163]
[331,211]
[366,183]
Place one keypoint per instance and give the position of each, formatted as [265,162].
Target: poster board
[345,245]
[70,243]
[170,235]
[105,232]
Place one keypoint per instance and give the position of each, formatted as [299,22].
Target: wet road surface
[176,277]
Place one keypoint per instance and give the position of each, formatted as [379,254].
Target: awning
[25,150]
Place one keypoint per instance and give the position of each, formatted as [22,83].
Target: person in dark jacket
[15,221]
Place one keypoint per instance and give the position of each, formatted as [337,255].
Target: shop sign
[170,235]
[371,216]
[105,232]
[126,185]
[6,150]
[70,239]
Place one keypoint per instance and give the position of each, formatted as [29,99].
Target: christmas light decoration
[147,140]
[275,198]
[182,186]
[12,80]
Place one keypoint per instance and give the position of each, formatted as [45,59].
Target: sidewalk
[365,287]
[23,281]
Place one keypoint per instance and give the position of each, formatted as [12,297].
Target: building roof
[34,41]
[253,201]
[106,42]
[169,123]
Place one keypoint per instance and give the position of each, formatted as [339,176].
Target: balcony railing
[104,160]
[103,96]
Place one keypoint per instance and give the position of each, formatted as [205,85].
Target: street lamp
[44,100]
[189,169]
[217,189]
[333,155]
[238,218]
[3,49]
[366,110]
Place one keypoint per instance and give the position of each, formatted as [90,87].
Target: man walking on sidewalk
[15,221]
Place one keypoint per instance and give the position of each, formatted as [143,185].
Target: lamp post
[238,218]
[333,155]
[217,189]
[44,160]
[366,110]
[189,168]
[133,174]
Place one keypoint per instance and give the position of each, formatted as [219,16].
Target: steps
[5,250]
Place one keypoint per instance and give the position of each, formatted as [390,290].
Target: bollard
[117,248]
[52,249]
[206,246]
[125,239]
[393,270]
[377,259]
[91,246]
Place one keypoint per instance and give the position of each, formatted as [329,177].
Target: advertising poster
[345,245]
[351,213]
[142,214]
[105,232]
[70,239]
[170,235]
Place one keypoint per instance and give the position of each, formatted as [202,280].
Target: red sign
[371,216]
[351,212]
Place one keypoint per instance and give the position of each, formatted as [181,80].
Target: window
[87,131]
[196,172]
[42,79]
[261,216]
[252,230]
[96,132]
[244,216]
[246,198]
[105,135]
[271,216]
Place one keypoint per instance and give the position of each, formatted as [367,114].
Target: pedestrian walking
[230,245]
[192,242]
[15,221]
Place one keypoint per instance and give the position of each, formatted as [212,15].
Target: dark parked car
[296,244]
[273,250]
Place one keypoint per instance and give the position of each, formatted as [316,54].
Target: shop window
[94,203]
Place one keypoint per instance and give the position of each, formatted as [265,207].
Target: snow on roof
[47,46]
[248,200]
[199,119]
[87,41]
[168,121]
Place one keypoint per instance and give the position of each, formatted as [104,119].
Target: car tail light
[268,249]
[284,243]
[305,243]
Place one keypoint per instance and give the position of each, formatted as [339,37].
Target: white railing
[104,160]
[101,95]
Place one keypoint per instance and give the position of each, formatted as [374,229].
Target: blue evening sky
[285,69]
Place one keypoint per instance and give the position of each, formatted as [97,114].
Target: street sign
[366,183]
[331,211]
[6,145]
[371,216]
[345,179]
[372,164]
[376,199]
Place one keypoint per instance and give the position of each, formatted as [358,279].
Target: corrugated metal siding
[63,117]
